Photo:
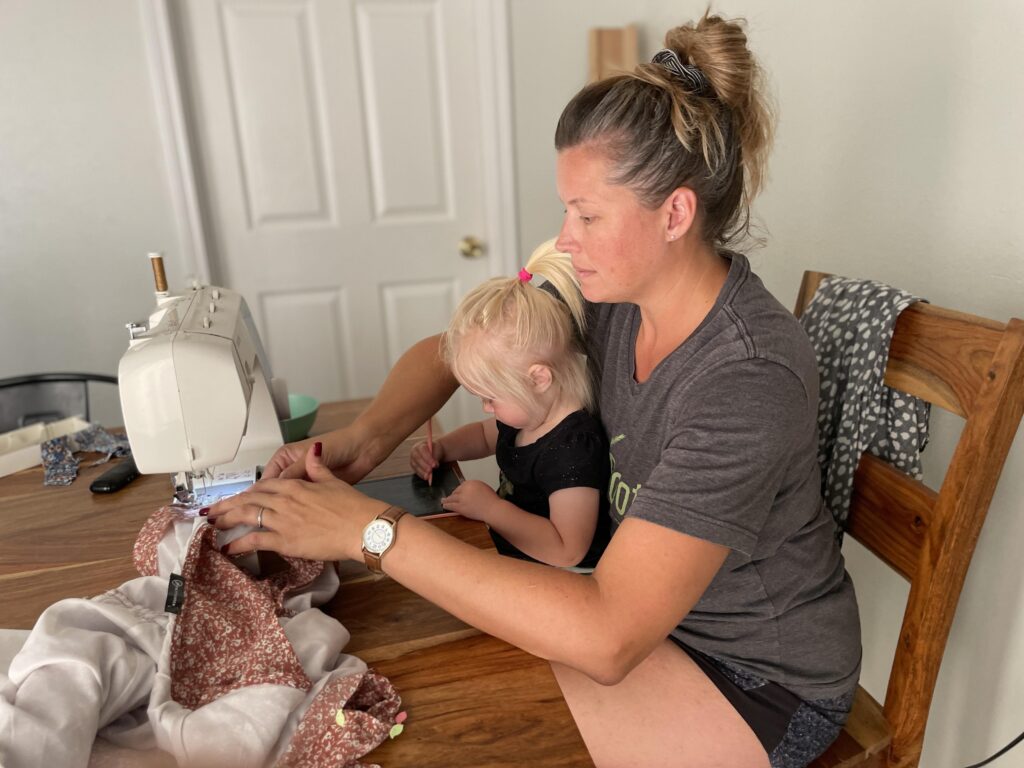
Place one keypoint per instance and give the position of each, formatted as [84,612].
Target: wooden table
[473,700]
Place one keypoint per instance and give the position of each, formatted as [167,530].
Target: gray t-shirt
[720,443]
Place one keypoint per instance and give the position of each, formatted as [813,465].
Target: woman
[719,627]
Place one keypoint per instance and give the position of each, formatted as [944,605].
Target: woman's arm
[415,389]
[602,624]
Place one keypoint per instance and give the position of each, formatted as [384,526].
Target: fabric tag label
[175,594]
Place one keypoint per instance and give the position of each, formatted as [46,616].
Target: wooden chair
[974,368]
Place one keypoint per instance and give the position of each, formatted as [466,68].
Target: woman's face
[615,242]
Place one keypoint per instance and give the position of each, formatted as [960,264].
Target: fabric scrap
[247,667]
[95,439]
[369,704]
[227,635]
[60,467]
[850,324]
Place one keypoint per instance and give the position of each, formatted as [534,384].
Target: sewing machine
[197,394]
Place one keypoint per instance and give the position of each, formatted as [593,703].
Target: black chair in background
[42,397]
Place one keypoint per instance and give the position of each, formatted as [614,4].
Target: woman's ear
[681,209]
[541,377]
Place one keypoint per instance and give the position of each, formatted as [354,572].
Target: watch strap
[372,559]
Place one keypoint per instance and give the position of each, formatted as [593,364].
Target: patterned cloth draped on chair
[850,323]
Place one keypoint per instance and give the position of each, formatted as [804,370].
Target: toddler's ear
[540,375]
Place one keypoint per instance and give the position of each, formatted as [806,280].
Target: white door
[341,158]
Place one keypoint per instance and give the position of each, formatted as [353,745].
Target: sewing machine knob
[135,329]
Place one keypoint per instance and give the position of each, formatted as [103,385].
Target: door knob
[471,247]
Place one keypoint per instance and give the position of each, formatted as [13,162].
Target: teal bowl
[303,410]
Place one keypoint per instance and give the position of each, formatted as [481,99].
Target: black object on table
[412,493]
[115,478]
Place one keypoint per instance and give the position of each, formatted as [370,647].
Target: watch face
[377,536]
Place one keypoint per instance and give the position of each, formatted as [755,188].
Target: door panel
[322,363]
[399,45]
[277,114]
[411,307]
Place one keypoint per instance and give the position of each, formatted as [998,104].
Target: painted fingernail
[318,448]
[204,511]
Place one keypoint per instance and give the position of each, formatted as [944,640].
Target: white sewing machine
[197,394]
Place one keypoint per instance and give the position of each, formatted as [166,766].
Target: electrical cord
[1000,753]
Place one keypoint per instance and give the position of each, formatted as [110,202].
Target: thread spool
[157,260]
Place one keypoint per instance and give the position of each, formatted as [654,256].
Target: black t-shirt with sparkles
[574,454]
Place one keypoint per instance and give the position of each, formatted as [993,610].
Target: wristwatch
[379,536]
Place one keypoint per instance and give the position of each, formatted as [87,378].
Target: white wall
[899,158]
[83,192]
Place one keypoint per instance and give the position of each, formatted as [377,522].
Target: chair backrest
[43,397]
[974,368]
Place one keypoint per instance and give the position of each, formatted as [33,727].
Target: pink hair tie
[524,276]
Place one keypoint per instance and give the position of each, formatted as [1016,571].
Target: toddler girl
[516,346]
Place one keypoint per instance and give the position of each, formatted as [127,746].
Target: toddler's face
[507,411]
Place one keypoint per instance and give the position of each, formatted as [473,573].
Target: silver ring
[259,518]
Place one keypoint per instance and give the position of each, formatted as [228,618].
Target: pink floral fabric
[369,704]
[228,636]
[144,553]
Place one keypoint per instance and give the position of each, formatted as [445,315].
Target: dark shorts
[793,731]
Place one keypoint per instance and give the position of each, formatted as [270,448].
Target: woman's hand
[473,499]
[318,519]
[288,456]
[422,461]
[343,453]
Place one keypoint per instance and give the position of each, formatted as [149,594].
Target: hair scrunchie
[695,81]
[524,276]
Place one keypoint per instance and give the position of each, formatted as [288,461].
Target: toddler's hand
[421,460]
[473,499]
